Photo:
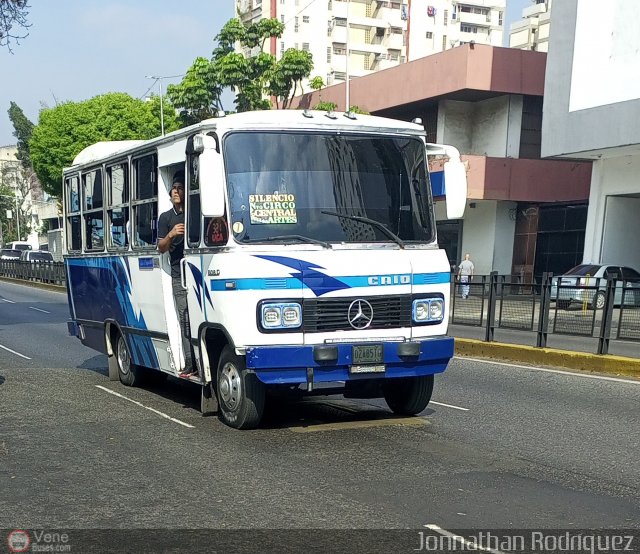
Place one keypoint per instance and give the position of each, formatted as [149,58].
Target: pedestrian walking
[465,273]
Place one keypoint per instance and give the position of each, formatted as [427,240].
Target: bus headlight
[428,310]
[279,315]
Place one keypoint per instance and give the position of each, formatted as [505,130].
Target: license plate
[366,354]
[378,368]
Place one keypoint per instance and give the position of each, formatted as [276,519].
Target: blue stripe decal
[357,281]
[101,289]
[432,278]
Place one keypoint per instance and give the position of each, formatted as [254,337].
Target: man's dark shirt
[166,222]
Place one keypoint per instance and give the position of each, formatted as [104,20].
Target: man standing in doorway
[171,239]
[465,273]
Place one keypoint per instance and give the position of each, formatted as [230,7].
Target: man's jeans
[182,309]
[464,289]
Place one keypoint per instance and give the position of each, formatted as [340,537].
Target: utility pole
[159,81]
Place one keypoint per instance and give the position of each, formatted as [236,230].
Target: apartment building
[592,104]
[532,31]
[360,37]
[525,215]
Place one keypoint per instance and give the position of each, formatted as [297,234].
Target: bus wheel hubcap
[230,387]
[123,357]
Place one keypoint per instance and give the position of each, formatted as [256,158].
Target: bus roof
[267,120]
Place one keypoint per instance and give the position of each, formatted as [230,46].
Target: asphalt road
[500,446]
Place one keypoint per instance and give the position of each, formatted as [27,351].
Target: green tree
[287,74]
[198,94]
[316,83]
[23,128]
[326,106]
[62,132]
[252,74]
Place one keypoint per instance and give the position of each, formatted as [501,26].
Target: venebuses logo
[18,541]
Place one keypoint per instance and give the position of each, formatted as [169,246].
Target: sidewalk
[569,352]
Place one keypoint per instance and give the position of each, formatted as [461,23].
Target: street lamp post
[159,80]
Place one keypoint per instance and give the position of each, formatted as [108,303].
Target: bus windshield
[281,185]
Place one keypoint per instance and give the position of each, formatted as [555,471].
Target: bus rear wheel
[408,395]
[241,395]
[128,372]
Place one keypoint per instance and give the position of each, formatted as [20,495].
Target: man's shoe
[188,374]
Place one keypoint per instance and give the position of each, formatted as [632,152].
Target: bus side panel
[100,288]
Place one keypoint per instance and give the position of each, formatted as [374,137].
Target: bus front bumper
[334,362]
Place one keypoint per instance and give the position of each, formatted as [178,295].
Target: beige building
[532,31]
[360,37]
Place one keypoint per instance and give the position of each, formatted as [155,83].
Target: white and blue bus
[311,259]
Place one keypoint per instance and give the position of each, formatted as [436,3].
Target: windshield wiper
[376,224]
[299,238]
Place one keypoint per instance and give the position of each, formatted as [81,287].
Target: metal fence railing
[594,307]
[597,308]
[44,272]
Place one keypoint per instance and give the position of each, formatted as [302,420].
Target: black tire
[563,304]
[598,301]
[129,373]
[408,395]
[241,395]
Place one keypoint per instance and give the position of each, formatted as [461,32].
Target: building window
[446,17]
[500,15]
[305,46]
[282,18]
[329,54]
[296,25]
[339,49]
[281,48]
[468,29]
[305,19]
[340,76]
[444,42]
[429,34]
[341,21]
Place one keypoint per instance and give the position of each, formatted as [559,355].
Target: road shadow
[97,364]
[2,379]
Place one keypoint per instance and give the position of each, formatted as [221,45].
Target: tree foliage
[22,130]
[316,83]
[62,132]
[198,94]
[252,74]
[13,15]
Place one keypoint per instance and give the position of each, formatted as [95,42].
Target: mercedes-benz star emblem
[360,314]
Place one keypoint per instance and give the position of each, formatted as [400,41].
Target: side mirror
[455,186]
[211,180]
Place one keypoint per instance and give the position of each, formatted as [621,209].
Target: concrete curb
[580,361]
[35,284]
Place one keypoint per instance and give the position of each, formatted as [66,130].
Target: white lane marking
[572,373]
[14,352]
[471,545]
[10,301]
[39,310]
[146,407]
[450,406]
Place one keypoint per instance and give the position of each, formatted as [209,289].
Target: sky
[77,49]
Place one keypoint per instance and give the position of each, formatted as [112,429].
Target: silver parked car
[36,256]
[587,283]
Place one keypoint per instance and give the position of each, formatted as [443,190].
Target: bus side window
[93,210]
[145,201]
[73,223]
[118,202]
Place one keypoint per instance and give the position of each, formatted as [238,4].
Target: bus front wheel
[408,395]
[241,395]
[128,372]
